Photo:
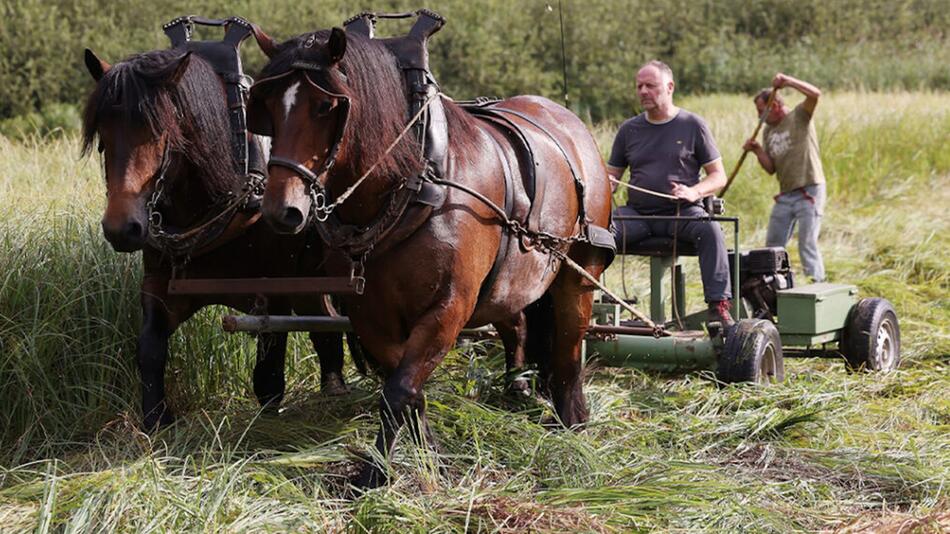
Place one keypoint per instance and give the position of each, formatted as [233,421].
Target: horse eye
[323,108]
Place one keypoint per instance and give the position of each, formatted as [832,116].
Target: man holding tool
[665,147]
[791,152]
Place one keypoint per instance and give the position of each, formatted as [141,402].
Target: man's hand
[811,92]
[752,145]
[779,81]
[685,193]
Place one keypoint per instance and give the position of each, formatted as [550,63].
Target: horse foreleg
[514,334]
[158,323]
[403,399]
[573,302]
[269,380]
[329,347]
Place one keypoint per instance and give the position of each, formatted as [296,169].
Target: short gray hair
[659,65]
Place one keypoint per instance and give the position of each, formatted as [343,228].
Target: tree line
[505,47]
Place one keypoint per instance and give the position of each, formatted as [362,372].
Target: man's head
[655,86]
[777,113]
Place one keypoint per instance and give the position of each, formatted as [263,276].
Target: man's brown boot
[719,312]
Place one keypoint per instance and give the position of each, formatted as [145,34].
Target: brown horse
[162,115]
[334,103]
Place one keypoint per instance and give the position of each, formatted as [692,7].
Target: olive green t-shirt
[793,146]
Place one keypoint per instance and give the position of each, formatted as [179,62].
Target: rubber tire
[752,353]
[863,335]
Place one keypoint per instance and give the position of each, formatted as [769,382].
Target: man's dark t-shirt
[658,154]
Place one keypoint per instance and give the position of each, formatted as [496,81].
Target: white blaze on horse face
[290,98]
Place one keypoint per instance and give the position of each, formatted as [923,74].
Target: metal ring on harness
[319,203]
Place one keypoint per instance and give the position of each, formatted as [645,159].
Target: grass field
[824,451]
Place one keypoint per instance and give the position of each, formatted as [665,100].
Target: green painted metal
[815,308]
[679,291]
[674,353]
[606,313]
[696,320]
[658,267]
[805,340]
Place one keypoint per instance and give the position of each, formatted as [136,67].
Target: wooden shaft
[735,171]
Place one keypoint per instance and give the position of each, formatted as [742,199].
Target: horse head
[149,115]
[331,102]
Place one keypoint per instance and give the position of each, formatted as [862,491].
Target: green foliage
[501,48]
[54,119]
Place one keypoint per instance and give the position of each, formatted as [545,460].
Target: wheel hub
[885,350]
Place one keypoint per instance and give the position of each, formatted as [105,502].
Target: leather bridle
[315,189]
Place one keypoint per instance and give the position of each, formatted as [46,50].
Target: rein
[641,189]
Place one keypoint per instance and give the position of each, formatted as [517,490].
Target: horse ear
[180,69]
[337,45]
[97,67]
[264,41]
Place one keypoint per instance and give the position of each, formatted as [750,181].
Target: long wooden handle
[735,171]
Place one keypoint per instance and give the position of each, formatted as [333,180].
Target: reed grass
[825,450]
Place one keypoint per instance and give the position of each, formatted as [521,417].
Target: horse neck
[372,195]
[187,199]
[366,202]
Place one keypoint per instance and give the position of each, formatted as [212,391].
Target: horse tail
[539,344]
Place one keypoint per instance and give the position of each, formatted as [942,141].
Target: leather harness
[239,209]
[410,206]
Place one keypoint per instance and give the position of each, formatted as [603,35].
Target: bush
[499,48]
[53,120]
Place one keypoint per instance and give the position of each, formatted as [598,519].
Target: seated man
[665,147]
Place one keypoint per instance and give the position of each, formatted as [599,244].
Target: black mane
[193,112]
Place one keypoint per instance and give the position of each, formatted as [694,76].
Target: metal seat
[659,247]
[660,251]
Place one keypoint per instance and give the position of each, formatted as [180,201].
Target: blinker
[259,120]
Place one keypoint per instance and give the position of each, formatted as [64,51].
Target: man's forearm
[711,184]
[615,173]
[765,161]
[803,87]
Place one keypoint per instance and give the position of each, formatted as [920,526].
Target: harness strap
[225,58]
[238,209]
[489,282]
[294,166]
[525,155]
[578,184]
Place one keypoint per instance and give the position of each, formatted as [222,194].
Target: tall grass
[824,450]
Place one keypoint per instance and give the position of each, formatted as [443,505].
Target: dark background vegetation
[504,47]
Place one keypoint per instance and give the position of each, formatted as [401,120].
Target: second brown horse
[161,121]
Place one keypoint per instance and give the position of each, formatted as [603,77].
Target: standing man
[791,153]
[665,147]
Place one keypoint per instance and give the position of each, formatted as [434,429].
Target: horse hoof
[370,477]
[270,409]
[519,388]
[155,422]
[334,386]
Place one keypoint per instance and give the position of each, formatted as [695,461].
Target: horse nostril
[292,218]
[134,230]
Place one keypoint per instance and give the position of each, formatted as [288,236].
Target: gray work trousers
[705,236]
[804,206]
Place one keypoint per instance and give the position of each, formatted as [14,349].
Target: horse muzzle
[288,220]
[286,204]
[127,235]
